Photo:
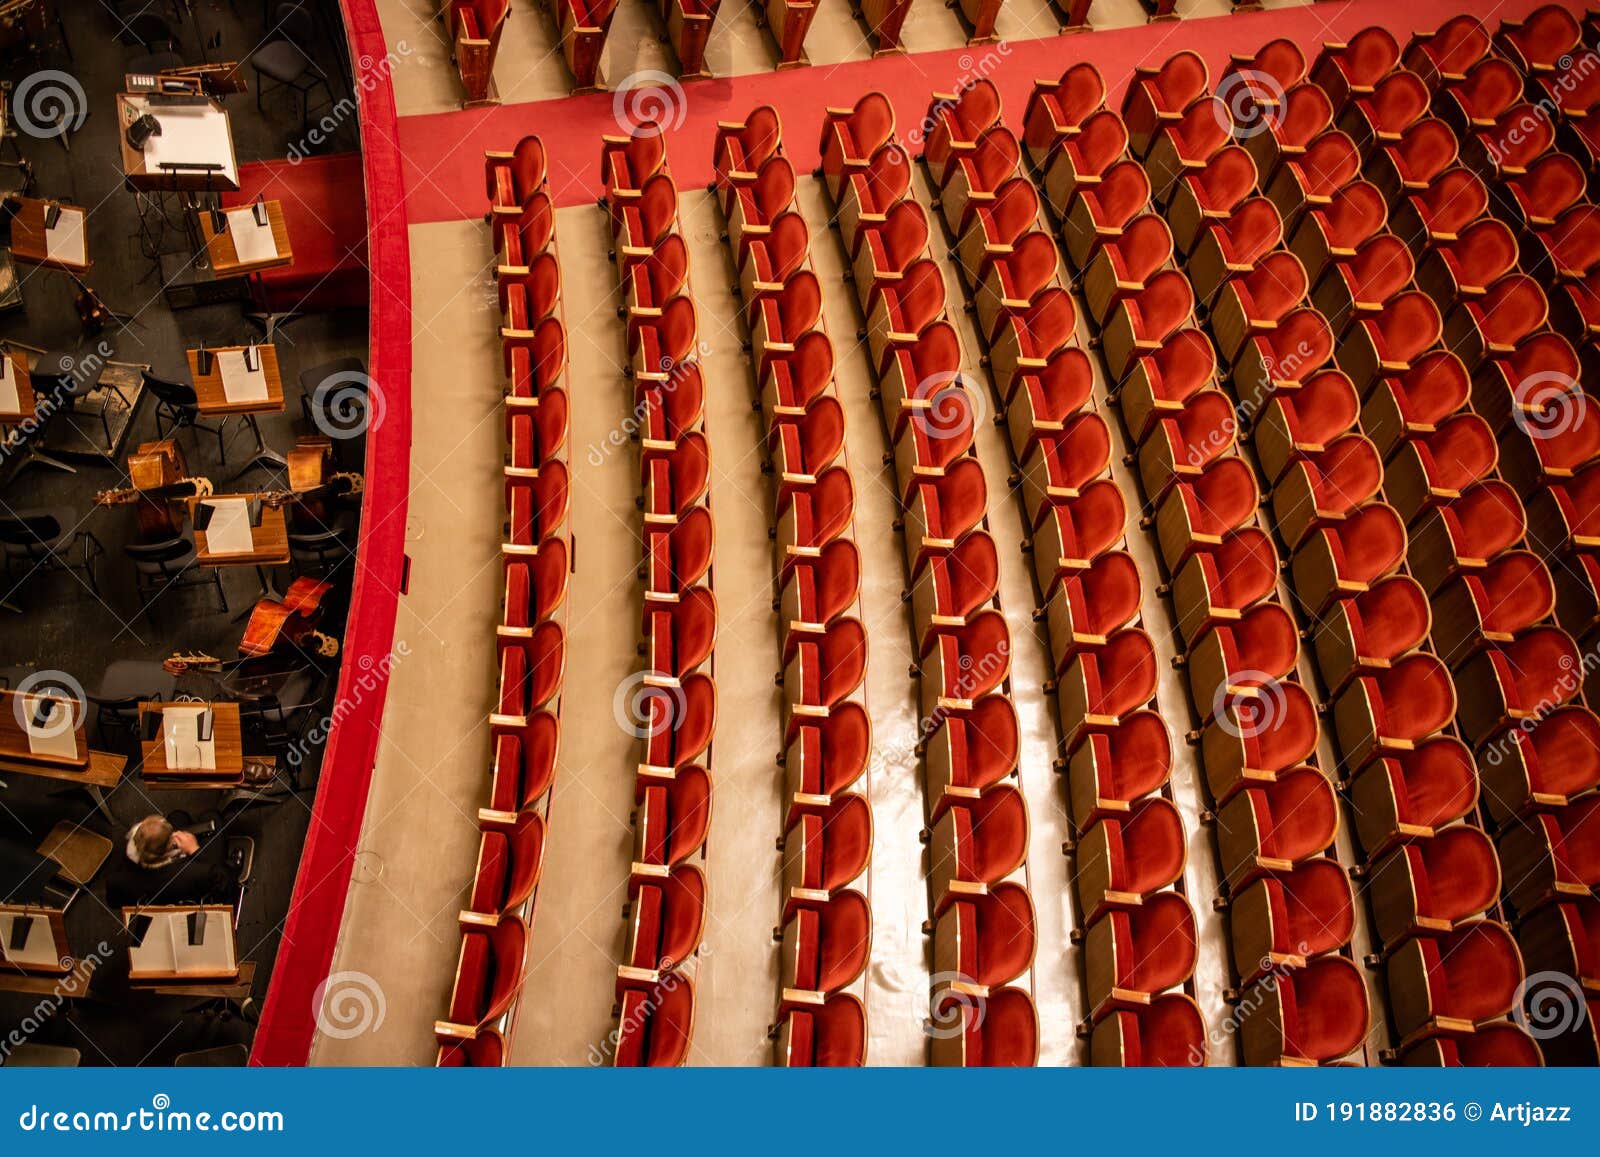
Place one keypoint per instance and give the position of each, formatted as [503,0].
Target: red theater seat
[954,586]
[671,819]
[1028,339]
[667,917]
[1332,232]
[489,975]
[1305,1016]
[1409,794]
[850,136]
[626,163]
[1492,327]
[1412,404]
[1379,117]
[536,508]
[781,318]
[1392,710]
[1063,465]
[958,120]
[535,587]
[1234,246]
[656,1024]
[942,511]
[1004,1033]
[1185,145]
[824,948]
[583,25]
[675,481]
[1074,531]
[512,177]
[1112,769]
[972,179]
[826,757]
[819,589]
[804,448]
[1442,57]
[1326,487]
[1197,512]
[1491,1046]
[1483,253]
[1132,954]
[1464,533]
[774,255]
[1271,826]
[1258,736]
[1352,68]
[1281,921]
[826,850]
[1299,424]
[823,670]
[1436,213]
[1142,322]
[676,556]
[1046,400]
[1389,343]
[1184,443]
[1489,606]
[1080,161]
[1564,939]
[1428,887]
[1256,651]
[751,206]
[1303,114]
[1308,182]
[965,663]
[524,762]
[742,149]
[830,1035]
[1450,983]
[1537,43]
[1518,681]
[1103,684]
[1568,248]
[1361,286]
[1014,279]
[1125,263]
[1169,1032]
[970,752]
[679,638]
[678,724]
[1552,856]
[510,857]
[1158,96]
[1160,384]
[871,190]
[1253,303]
[1488,88]
[1369,630]
[641,223]
[1216,584]
[1415,161]
[1100,212]
[904,310]
[1058,109]
[1125,858]
[983,941]
[1435,467]
[1544,767]
[976,844]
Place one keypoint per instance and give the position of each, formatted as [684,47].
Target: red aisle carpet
[443,152]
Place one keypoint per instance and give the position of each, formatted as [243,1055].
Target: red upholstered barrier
[288,1017]
[327,227]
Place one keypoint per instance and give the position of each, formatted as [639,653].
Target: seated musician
[155,842]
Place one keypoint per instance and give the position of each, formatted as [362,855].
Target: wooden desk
[191,134]
[236,990]
[270,539]
[226,734]
[104,770]
[30,241]
[27,403]
[224,256]
[213,399]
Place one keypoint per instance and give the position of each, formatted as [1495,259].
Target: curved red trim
[317,905]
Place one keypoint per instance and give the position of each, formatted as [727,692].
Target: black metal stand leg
[264,455]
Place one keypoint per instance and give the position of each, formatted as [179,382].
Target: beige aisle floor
[419,840]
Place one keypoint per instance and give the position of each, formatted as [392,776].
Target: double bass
[160,490]
[292,619]
[314,483]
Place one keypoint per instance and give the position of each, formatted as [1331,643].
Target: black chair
[126,684]
[48,539]
[287,61]
[163,566]
[68,380]
[319,553]
[177,403]
[142,23]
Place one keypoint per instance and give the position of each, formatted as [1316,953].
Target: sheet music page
[190,135]
[65,243]
[10,397]
[57,735]
[185,750]
[238,383]
[251,242]
[229,529]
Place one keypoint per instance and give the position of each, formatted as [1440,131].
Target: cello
[160,491]
[292,619]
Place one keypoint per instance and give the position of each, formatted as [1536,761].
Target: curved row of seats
[525,729]
[1538,76]
[826,918]
[1390,699]
[674,704]
[983,926]
[1139,935]
[1152,241]
[1492,598]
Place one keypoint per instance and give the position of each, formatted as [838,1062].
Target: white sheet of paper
[10,399]
[56,736]
[251,242]
[229,529]
[65,243]
[238,383]
[180,730]
[190,135]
